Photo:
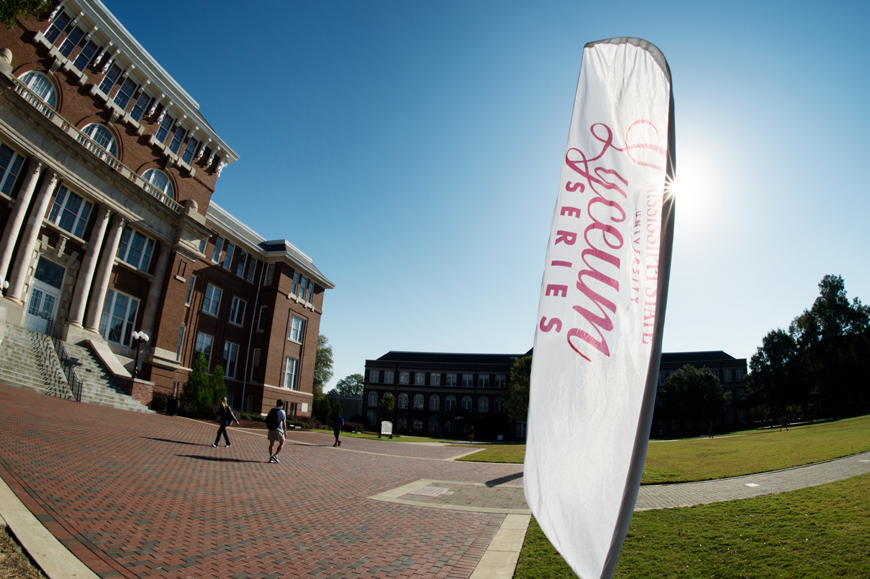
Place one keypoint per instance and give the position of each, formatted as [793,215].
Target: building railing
[93,147]
[67,364]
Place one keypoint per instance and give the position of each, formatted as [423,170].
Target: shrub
[353,427]
[159,402]
[252,416]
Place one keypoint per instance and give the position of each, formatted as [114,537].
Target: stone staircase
[28,360]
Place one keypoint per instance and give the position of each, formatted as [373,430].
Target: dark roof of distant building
[707,356]
[449,358]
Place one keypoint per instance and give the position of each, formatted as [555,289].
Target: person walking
[471,435]
[225,418]
[337,423]
[276,425]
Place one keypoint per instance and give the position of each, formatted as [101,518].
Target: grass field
[818,532]
[736,454]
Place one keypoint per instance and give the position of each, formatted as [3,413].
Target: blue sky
[413,150]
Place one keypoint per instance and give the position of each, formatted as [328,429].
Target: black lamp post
[4,285]
[140,338]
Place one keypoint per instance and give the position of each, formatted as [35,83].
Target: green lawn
[815,532]
[740,453]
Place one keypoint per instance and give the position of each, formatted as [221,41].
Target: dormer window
[102,136]
[160,180]
[41,86]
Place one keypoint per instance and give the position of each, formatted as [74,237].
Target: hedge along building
[107,170]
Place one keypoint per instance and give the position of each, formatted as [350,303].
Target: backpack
[272,419]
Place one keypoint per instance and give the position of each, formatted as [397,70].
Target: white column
[150,314]
[16,218]
[104,271]
[89,265]
[31,232]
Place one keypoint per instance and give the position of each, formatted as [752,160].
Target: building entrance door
[44,295]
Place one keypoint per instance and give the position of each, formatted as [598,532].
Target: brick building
[441,392]
[107,171]
[455,391]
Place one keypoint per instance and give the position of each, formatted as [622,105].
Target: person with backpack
[275,423]
[337,423]
[225,419]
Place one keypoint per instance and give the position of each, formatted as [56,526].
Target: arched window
[466,403]
[403,401]
[450,402]
[418,402]
[41,86]
[160,180]
[498,405]
[102,136]
[483,404]
[373,398]
[434,402]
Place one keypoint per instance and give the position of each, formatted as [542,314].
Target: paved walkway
[134,495]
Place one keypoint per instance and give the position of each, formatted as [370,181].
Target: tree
[322,409]
[352,385]
[197,390]
[10,10]
[322,366]
[774,374]
[516,400]
[386,409]
[217,386]
[693,394]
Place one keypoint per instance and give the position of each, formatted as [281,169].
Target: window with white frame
[103,137]
[420,378]
[310,297]
[69,211]
[165,128]
[450,403]
[373,398]
[177,137]
[255,364]
[434,401]
[119,315]
[373,376]
[86,55]
[138,110]
[218,247]
[160,181]
[41,86]
[190,286]
[499,380]
[726,375]
[388,376]
[297,329]
[237,311]
[211,300]
[483,381]
[291,373]
[202,244]
[57,26]
[466,403]
[203,346]
[467,380]
[263,318]
[418,402]
[270,273]
[402,403]
[231,357]
[295,289]
[252,269]
[240,266]
[228,256]
[435,379]
[498,405]
[483,404]
[10,167]
[136,249]
[451,380]
[125,93]
[404,377]
[71,41]
[110,79]
[190,150]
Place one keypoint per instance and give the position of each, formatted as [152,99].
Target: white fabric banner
[601,314]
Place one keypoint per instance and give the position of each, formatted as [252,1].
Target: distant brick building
[107,171]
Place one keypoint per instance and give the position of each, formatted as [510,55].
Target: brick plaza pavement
[136,495]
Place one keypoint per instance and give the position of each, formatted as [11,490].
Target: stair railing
[67,364]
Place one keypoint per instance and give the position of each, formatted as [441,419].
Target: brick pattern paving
[134,495]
